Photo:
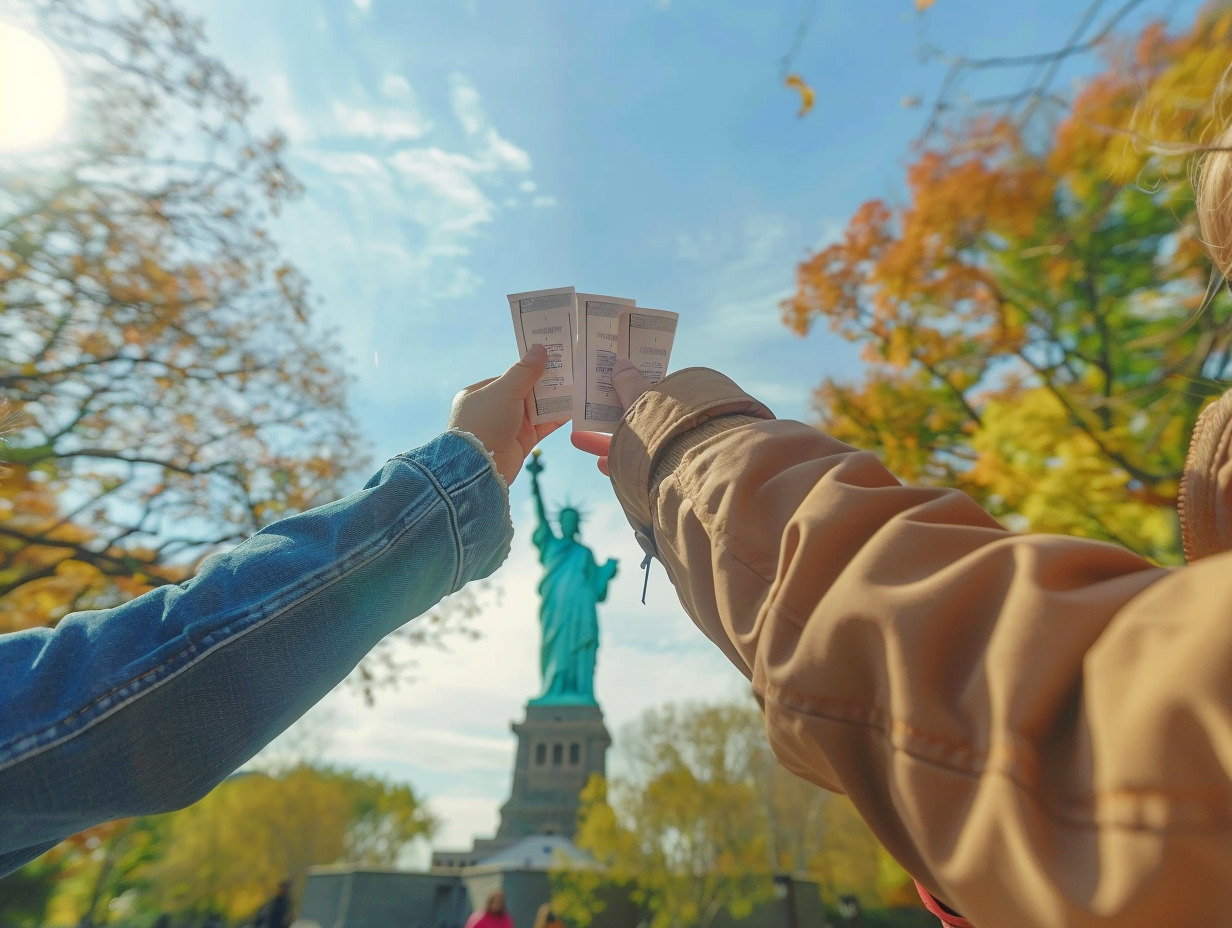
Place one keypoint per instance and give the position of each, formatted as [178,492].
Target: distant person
[276,913]
[492,915]
[174,690]
[546,918]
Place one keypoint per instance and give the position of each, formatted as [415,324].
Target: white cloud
[467,106]
[395,202]
[395,85]
[283,111]
[543,202]
[505,153]
[468,109]
[443,187]
[527,186]
[364,5]
[390,125]
[347,163]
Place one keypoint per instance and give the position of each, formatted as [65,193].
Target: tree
[685,832]
[171,394]
[704,819]
[385,818]
[167,392]
[228,851]
[1036,317]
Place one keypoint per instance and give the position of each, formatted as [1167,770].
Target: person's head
[496,903]
[570,521]
[284,887]
[546,918]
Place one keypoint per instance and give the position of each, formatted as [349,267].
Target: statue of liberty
[572,587]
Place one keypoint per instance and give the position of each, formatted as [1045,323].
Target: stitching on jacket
[101,707]
[444,496]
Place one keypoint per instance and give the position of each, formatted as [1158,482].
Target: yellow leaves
[807,94]
[1057,479]
[246,835]
[922,5]
[1159,99]
[898,348]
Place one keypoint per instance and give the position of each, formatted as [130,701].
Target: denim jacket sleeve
[146,707]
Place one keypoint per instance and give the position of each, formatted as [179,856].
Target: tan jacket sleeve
[1037,727]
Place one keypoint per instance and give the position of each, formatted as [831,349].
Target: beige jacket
[1039,728]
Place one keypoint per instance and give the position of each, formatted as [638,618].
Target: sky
[455,152]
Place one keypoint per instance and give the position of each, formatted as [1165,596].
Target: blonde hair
[1211,176]
[1213,196]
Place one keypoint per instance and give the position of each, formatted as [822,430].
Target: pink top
[488,920]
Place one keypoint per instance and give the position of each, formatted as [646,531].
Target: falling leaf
[923,5]
[806,92]
[910,102]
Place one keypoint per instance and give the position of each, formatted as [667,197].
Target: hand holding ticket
[585,334]
[548,318]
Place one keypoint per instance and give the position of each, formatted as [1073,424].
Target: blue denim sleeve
[146,707]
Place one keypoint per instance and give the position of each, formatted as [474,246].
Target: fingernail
[536,345]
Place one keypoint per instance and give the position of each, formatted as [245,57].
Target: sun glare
[33,95]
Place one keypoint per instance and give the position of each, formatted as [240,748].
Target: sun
[33,93]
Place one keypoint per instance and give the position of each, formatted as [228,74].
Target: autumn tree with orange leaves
[1039,318]
[170,393]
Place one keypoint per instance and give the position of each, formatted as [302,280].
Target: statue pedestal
[559,748]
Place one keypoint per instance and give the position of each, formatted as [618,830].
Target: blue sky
[454,152]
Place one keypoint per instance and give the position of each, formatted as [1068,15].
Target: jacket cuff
[949,919]
[669,419]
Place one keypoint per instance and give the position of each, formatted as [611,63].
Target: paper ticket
[645,336]
[548,318]
[596,407]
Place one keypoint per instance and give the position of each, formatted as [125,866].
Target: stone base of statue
[560,746]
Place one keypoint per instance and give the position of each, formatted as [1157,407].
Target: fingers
[591,442]
[522,376]
[628,382]
[479,385]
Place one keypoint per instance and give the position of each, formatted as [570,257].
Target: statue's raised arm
[543,529]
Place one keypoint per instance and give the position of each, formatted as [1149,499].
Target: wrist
[677,405]
[477,443]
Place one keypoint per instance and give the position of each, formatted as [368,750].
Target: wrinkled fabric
[146,707]
[1038,728]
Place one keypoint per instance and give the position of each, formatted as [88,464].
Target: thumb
[628,382]
[522,376]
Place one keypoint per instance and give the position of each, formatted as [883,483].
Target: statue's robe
[572,587]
